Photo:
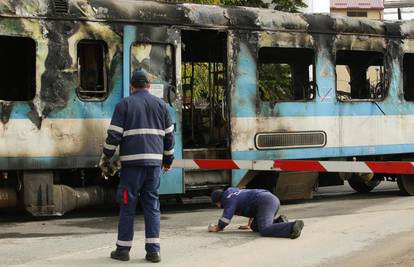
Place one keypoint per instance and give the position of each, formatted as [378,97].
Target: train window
[286,74]
[408,77]
[17,68]
[360,75]
[157,60]
[92,83]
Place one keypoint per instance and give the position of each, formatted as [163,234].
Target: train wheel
[360,185]
[406,184]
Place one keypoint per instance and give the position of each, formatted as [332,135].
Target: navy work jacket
[141,126]
[241,202]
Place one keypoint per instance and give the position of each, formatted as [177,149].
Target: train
[240,83]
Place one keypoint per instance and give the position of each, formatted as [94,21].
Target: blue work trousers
[267,206]
[143,182]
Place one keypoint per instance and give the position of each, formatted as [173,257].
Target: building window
[363,14]
[17,68]
[408,77]
[360,75]
[92,70]
[286,74]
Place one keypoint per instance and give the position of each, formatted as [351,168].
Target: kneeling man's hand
[213,228]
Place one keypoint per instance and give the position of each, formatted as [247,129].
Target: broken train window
[92,83]
[17,68]
[158,60]
[408,77]
[360,75]
[286,74]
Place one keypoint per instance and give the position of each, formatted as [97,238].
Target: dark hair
[216,196]
[140,79]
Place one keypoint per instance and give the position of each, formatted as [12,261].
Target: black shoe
[120,254]
[296,229]
[153,256]
[281,219]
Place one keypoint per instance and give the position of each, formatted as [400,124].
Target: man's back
[145,111]
[141,125]
[239,201]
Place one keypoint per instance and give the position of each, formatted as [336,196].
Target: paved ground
[341,229]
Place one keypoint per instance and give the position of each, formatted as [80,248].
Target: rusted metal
[8,198]
[66,198]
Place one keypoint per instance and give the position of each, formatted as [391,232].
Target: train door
[205,105]
[157,49]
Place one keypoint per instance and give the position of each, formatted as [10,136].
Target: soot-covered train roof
[133,11]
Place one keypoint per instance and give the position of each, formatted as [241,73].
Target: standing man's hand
[104,163]
[166,167]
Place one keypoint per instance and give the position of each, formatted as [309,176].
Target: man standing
[141,126]
[261,205]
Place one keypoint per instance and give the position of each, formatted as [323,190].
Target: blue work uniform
[259,204]
[142,127]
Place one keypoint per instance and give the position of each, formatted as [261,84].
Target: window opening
[360,75]
[17,68]
[286,74]
[92,70]
[204,81]
[158,61]
[408,77]
[362,14]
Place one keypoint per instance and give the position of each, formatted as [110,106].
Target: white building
[406,9]
[317,6]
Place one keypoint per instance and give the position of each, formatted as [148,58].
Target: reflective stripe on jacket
[142,127]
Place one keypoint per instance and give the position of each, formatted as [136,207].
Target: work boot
[296,229]
[281,219]
[120,254]
[153,256]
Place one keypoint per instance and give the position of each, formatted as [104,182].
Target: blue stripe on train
[78,109]
[244,98]
[246,102]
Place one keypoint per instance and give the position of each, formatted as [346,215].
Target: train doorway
[205,112]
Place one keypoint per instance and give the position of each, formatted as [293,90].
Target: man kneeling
[258,204]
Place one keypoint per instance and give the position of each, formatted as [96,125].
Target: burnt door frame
[171,182]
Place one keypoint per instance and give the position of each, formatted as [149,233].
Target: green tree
[288,5]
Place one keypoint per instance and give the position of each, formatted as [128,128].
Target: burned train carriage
[240,83]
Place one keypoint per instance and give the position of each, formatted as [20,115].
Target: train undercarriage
[54,193]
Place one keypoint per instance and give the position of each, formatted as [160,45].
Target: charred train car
[348,93]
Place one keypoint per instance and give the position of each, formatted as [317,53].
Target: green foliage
[275,82]
[201,80]
[288,5]
[205,2]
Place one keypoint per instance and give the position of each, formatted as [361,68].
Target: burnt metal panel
[204,16]
[61,6]
[285,140]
